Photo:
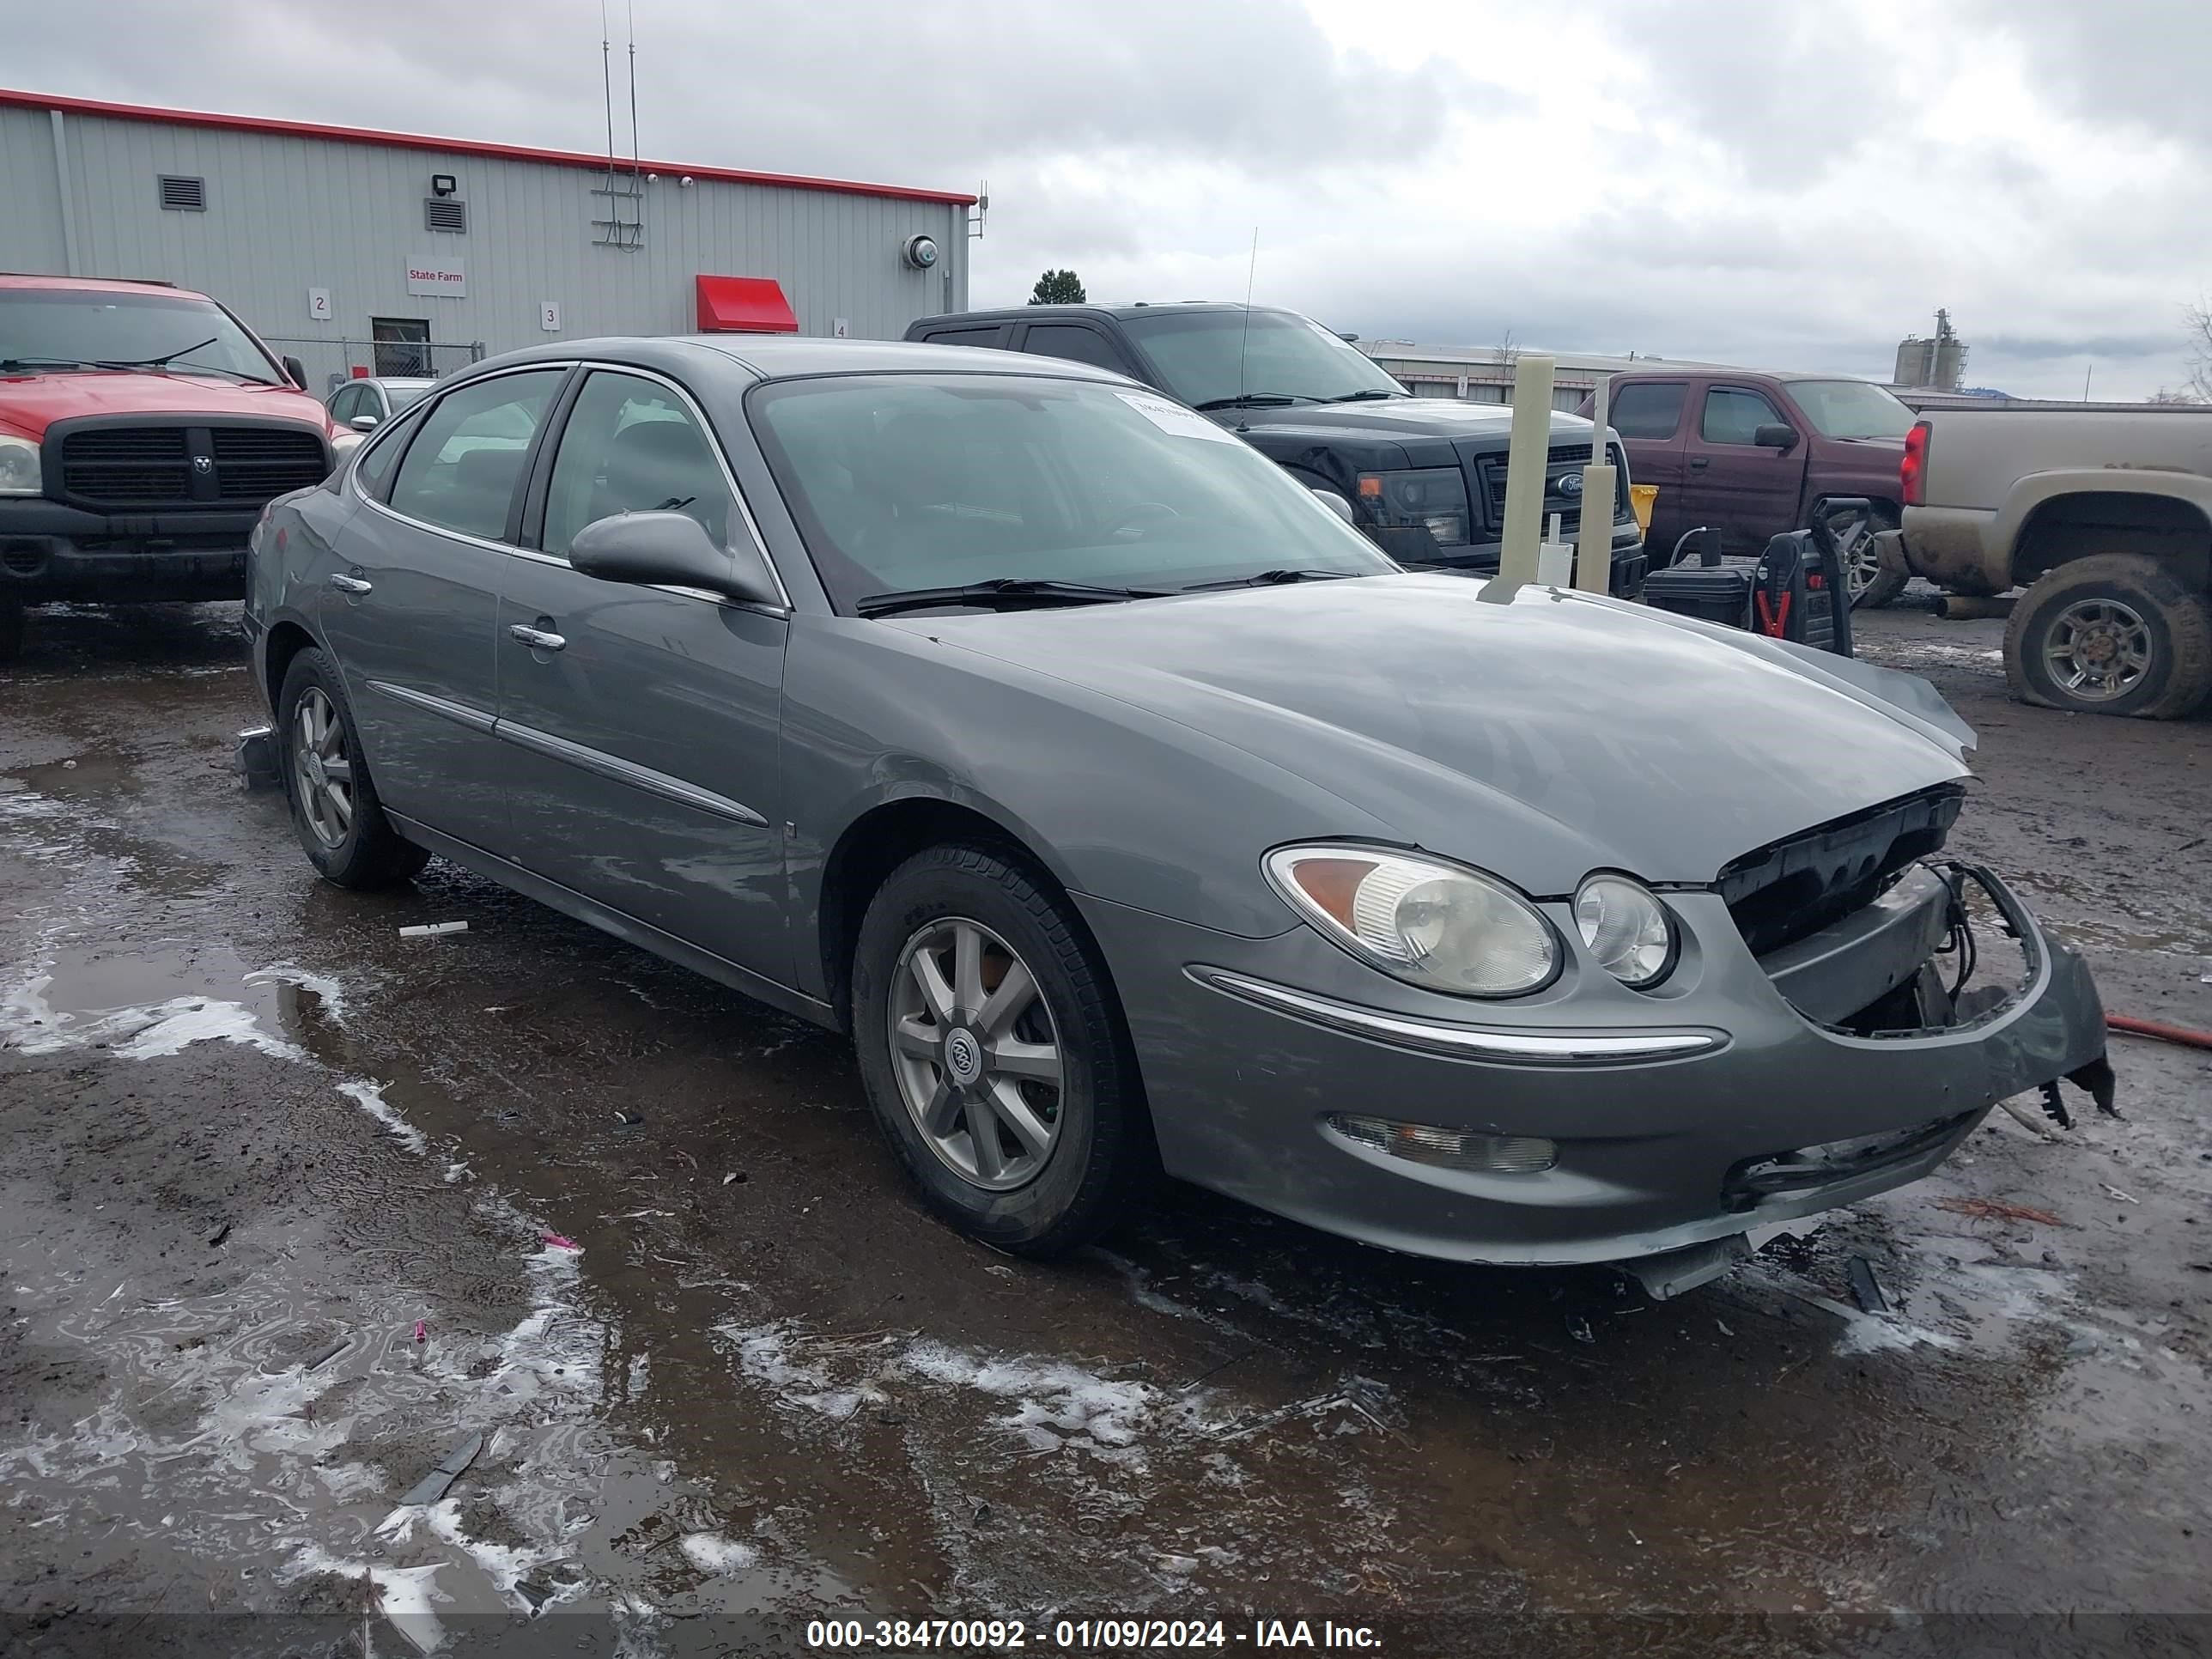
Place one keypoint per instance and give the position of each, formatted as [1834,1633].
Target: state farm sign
[445,276]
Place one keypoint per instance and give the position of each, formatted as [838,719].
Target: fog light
[1450,1149]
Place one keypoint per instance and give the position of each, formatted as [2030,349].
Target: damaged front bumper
[1684,1123]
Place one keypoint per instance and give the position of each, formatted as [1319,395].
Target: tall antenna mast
[607,84]
[1251,275]
[632,7]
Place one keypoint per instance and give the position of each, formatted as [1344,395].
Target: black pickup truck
[1424,476]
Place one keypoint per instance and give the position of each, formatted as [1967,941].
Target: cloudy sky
[1784,183]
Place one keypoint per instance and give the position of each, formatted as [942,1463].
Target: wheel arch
[884,836]
[2055,518]
[285,639]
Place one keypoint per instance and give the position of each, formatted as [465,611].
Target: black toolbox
[1706,586]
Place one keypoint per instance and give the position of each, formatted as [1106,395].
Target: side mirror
[363,423]
[671,550]
[1335,503]
[298,371]
[1778,434]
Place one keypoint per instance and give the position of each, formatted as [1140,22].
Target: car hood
[29,404]
[1538,733]
[1426,417]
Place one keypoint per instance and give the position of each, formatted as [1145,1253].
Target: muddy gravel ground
[292,1209]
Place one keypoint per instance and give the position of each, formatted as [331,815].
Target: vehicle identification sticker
[1174,417]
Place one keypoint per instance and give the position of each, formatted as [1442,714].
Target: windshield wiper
[1254,400]
[1272,579]
[156,362]
[10,364]
[1008,591]
[1369,392]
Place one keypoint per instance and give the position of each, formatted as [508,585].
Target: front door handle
[346,584]
[1698,463]
[536,638]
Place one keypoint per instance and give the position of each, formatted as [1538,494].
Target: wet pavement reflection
[295,1209]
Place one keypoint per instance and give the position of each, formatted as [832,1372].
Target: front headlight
[1626,929]
[1436,924]
[18,467]
[1432,498]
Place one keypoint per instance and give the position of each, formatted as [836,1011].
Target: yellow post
[1525,461]
[1641,499]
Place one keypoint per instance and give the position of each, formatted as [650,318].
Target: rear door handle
[346,584]
[1698,463]
[536,638]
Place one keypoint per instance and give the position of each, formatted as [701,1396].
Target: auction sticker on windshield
[1174,417]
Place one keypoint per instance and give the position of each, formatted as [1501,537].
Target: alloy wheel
[975,1054]
[2097,649]
[322,768]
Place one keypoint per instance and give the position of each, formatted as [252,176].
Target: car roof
[1120,313]
[779,357]
[18,279]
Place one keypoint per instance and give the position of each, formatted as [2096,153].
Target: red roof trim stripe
[569,158]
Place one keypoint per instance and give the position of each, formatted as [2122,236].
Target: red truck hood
[29,404]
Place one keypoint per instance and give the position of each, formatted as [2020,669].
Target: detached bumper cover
[51,551]
[1693,1115]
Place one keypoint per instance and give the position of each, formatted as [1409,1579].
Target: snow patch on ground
[714,1554]
[403,1595]
[31,1025]
[326,990]
[369,1096]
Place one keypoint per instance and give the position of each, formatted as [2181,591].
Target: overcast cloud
[1774,182]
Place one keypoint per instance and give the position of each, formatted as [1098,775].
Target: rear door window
[1075,343]
[990,334]
[1734,413]
[1648,409]
[463,469]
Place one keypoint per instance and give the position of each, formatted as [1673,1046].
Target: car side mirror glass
[671,549]
[1335,503]
[1777,435]
[298,371]
[363,423]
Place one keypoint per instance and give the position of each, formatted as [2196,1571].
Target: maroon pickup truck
[1751,454]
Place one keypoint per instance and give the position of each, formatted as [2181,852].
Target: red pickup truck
[1752,454]
[142,428]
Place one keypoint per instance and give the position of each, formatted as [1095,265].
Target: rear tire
[955,1054]
[335,811]
[2118,634]
[1877,586]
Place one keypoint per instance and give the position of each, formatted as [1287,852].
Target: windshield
[46,327]
[1202,356]
[900,482]
[1851,409]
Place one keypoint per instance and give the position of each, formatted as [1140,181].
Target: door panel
[1750,494]
[1648,415]
[640,752]
[411,609]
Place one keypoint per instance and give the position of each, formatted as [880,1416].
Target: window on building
[1647,411]
[183,195]
[403,345]
[1733,414]
[462,470]
[630,445]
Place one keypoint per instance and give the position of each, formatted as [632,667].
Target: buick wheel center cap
[963,1056]
[316,771]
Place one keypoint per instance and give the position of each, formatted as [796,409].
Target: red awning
[745,304]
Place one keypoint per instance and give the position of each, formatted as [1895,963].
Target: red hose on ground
[2151,1028]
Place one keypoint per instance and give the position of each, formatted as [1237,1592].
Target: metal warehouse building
[388,252]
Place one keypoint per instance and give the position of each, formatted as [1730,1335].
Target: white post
[1525,462]
[1594,565]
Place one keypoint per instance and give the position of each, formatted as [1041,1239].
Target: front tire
[992,1052]
[2118,634]
[335,809]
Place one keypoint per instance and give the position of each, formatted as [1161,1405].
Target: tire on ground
[2178,618]
[371,854]
[1886,584]
[1103,1161]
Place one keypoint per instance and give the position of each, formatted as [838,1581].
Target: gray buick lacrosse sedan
[1132,813]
